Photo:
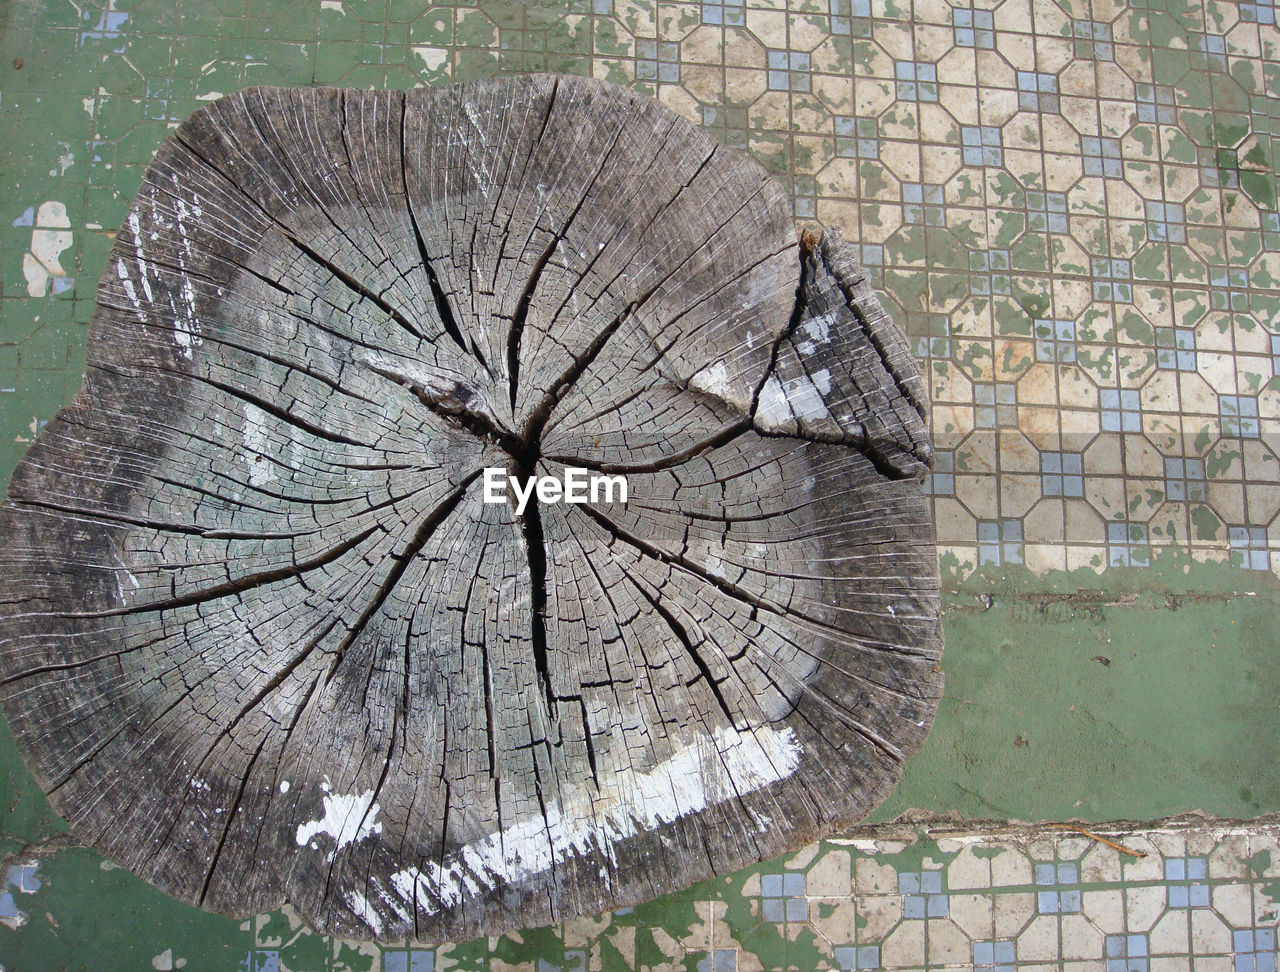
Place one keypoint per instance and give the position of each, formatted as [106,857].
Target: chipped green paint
[1179,148]
[85,912]
[764,939]
[873,178]
[1151,261]
[1260,187]
[945,287]
[975,357]
[1100,363]
[1136,328]
[1015,359]
[1030,253]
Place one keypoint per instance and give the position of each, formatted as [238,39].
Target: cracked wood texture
[264,642]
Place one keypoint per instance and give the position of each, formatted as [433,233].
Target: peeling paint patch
[109,26]
[65,161]
[434,58]
[50,236]
[165,962]
[347,819]
[20,879]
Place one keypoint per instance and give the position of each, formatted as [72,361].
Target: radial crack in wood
[262,639]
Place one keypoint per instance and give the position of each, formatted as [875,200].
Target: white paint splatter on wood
[700,776]
[347,818]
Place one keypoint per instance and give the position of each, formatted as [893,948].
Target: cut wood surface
[261,638]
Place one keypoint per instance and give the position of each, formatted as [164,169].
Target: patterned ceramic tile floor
[1186,895]
[1069,206]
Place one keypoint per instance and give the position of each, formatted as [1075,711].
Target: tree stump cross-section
[265,633]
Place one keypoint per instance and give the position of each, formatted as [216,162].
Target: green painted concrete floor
[1070,207]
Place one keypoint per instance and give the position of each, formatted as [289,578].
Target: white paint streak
[701,775]
[347,819]
[363,910]
[137,250]
[122,272]
[186,330]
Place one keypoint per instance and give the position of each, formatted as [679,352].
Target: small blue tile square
[913,907]
[931,882]
[793,883]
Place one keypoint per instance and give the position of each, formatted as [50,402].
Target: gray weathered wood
[260,639]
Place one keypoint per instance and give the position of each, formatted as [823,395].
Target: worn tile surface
[1188,895]
[1070,207]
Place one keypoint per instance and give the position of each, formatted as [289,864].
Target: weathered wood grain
[260,638]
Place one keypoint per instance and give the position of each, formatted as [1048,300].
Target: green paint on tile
[95,918]
[1175,719]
